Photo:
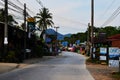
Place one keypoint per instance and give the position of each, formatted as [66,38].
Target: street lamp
[6,28]
[6,23]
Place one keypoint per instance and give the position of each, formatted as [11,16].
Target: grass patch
[116,75]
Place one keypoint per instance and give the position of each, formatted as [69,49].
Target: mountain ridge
[59,35]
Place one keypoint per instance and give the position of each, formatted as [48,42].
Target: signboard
[103,50]
[30,19]
[65,43]
[103,58]
[114,52]
[78,42]
[113,63]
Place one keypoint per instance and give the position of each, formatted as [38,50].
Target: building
[114,40]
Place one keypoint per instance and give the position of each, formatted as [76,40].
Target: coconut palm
[10,17]
[44,19]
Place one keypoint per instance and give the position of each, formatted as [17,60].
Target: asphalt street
[69,66]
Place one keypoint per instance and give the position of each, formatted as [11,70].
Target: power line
[20,2]
[14,5]
[71,21]
[15,10]
[40,3]
[108,8]
[23,5]
[17,7]
[112,17]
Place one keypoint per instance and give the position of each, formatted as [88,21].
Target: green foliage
[11,56]
[109,30]
[10,17]
[116,75]
[38,50]
[45,19]
[79,36]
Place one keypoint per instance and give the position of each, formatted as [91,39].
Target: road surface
[69,66]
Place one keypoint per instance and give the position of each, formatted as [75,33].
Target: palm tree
[44,19]
[10,17]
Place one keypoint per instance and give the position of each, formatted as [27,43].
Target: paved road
[69,66]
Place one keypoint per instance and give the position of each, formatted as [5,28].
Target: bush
[11,56]
[38,51]
[116,75]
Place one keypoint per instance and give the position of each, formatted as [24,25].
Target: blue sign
[47,40]
[65,43]
[103,50]
[78,42]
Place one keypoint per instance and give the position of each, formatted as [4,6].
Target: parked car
[64,48]
[72,49]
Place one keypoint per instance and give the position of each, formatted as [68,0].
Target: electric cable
[108,8]
[112,17]
[40,3]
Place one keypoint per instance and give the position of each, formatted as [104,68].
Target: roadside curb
[6,67]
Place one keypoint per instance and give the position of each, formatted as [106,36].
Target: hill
[59,35]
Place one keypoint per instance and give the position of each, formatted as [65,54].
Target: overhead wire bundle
[16,10]
[41,4]
[112,17]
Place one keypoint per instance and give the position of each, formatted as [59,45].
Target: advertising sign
[103,58]
[113,63]
[103,50]
[114,52]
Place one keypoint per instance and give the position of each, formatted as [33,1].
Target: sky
[73,16]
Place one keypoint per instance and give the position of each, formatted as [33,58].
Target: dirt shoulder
[101,72]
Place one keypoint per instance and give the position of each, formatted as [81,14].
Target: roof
[104,40]
[114,37]
[117,36]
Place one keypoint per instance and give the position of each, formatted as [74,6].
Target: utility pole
[56,31]
[6,27]
[24,13]
[88,42]
[56,38]
[92,25]
[119,63]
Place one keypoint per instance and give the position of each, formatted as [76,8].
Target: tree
[109,30]
[44,19]
[10,17]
